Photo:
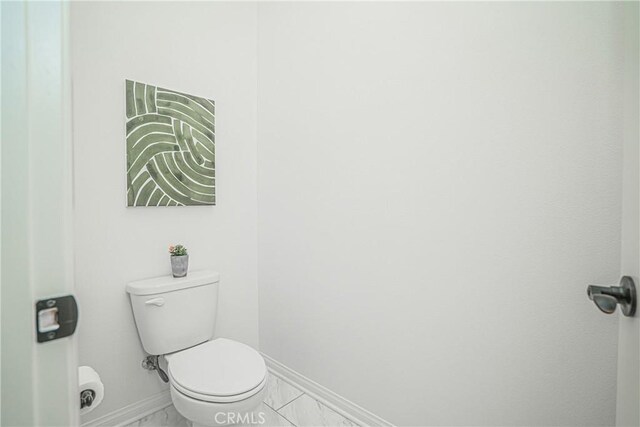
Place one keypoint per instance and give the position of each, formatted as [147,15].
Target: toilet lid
[221,367]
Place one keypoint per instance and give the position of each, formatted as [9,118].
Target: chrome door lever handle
[607,298]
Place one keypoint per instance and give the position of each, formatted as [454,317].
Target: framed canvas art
[170,139]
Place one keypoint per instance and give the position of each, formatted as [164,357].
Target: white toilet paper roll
[91,389]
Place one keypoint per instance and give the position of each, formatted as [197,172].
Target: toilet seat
[218,399]
[220,371]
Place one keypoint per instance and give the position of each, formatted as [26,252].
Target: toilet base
[210,414]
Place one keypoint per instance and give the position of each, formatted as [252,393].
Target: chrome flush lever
[607,298]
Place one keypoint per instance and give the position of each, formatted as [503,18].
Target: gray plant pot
[179,265]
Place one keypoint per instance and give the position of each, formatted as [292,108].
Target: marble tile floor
[284,405]
[164,417]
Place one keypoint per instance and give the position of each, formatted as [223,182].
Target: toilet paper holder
[91,389]
[86,398]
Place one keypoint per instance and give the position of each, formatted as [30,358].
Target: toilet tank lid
[158,285]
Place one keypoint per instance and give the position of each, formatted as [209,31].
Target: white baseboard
[133,412]
[334,401]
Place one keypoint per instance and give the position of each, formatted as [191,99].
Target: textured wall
[438,182]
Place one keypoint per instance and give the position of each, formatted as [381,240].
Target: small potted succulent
[179,260]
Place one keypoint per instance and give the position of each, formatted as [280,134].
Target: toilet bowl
[217,383]
[213,382]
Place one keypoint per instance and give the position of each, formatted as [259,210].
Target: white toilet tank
[175,313]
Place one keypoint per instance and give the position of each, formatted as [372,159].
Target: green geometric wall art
[170,147]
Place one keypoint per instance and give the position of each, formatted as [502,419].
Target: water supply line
[151,363]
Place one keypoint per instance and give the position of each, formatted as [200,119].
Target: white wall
[628,396]
[438,183]
[208,49]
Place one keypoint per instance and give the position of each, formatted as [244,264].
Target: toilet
[213,382]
